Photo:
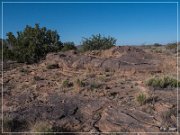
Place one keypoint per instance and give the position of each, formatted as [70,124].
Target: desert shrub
[52,66]
[163,82]
[141,98]
[32,44]
[67,83]
[69,46]
[97,42]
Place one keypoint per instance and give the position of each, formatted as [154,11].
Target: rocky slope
[91,92]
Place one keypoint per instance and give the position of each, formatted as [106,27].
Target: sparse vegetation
[141,98]
[163,82]
[97,42]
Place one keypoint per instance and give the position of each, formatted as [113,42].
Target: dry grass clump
[163,82]
[141,98]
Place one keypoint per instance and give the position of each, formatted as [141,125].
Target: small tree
[69,46]
[33,43]
[7,52]
[97,42]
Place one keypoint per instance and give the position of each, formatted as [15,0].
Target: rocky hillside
[97,91]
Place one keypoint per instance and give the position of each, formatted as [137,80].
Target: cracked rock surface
[91,92]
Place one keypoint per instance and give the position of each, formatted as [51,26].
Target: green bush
[97,42]
[163,82]
[7,52]
[32,44]
[69,46]
[141,98]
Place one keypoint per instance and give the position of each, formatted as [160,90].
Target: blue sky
[128,23]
